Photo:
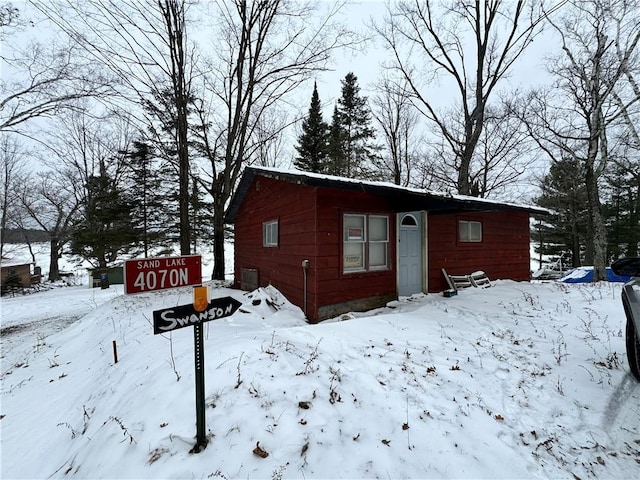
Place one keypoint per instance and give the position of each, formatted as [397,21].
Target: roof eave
[402,200]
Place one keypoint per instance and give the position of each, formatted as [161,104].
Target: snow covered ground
[515,381]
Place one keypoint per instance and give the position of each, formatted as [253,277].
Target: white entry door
[410,254]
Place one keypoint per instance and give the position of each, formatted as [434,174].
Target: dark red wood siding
[334,285]
[295,209]
[310,228]
[502,254]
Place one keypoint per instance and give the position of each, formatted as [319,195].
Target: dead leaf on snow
[259,451]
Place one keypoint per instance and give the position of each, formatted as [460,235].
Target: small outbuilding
[333,245]
[16,274]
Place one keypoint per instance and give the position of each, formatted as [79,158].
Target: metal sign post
[173,318]
[198,349]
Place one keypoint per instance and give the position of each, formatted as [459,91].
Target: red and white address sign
[149,274]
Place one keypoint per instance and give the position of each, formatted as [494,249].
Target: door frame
[422,217]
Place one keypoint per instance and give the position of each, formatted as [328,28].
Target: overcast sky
[527,72]
[366,64]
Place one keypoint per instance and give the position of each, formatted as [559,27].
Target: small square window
[270,234]
[469,231]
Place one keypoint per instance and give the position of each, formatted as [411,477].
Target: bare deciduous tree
[398,119]
[84,142]
[499,161]
[573,119]
[80,148]
[264,51]
[270,138]
[9,18]
[41,80]
[50,201]
[145,44]
[470,45]
[13,158]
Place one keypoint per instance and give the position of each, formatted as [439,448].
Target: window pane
[378,255]
[463,231]
[270,234]
[353,256]
[354,228]
[475,231]
[470,231]
[409,220]
[366,242]
[378,231]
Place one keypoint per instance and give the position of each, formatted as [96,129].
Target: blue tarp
[585,275]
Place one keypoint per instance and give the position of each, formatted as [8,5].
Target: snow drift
[518,380]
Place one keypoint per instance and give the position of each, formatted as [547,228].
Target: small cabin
[333,245]
[17,274]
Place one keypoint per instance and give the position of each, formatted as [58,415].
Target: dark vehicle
[631,302]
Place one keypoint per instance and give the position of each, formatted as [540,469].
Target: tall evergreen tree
[201,214]
[148,191]
[105,229]
[564,193]
[312,142]
[336,152]
[355,118]
[622,209]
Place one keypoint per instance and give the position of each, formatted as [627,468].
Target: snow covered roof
[14,262]
[402,199]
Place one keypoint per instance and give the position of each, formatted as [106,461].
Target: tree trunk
[218,247]
[634,218]
[54,272]
[474,126]
[598,237]
[185,225]
[173,11]
[464,186]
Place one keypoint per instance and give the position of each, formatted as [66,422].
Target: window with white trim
[469,231]
[270,233]
[365,243]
